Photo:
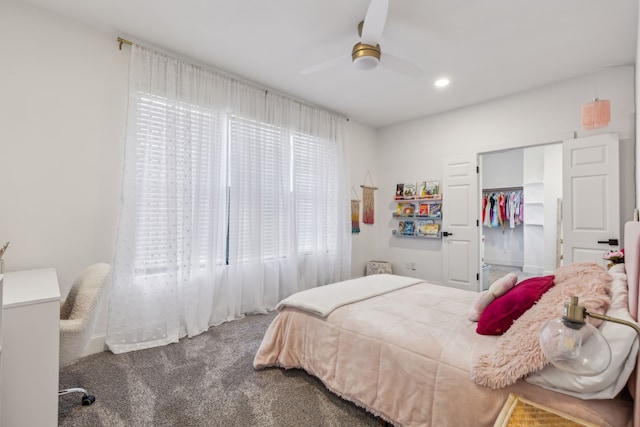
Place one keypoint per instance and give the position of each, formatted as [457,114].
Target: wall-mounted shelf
[429,200]
[436,216]
[418,217]
[395,233]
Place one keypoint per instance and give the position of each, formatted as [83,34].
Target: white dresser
[29,355]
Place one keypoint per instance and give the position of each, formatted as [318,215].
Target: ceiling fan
[367,54]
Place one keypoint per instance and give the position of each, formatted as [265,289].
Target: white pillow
[624,348]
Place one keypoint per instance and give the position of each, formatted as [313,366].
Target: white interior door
[591,198]
[460,228]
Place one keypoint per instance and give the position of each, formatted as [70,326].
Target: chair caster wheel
[88,400]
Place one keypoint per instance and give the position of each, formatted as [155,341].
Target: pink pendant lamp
[596,114]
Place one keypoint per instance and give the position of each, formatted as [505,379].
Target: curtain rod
[123,41]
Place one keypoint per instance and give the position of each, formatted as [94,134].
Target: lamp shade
[596,114]
[575,347]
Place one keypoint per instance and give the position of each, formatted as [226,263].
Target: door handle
[610,242]
[446,233]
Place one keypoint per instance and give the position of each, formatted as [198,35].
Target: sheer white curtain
[233,198]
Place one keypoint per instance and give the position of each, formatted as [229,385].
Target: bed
[406,351]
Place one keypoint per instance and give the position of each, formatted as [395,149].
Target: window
[272,190]
[220,200]
[174,156]
[314,177]
[259,195]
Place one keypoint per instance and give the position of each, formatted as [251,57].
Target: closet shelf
[501,189]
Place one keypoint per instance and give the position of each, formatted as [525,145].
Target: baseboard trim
[533,269]
[505,262]
[97,344]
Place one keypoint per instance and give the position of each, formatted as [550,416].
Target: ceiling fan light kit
[366,54]
[365,57]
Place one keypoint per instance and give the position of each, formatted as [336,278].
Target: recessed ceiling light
[442,82]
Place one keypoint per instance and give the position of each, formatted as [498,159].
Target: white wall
[62,127]
[414,150]
[363,152]
[62,123]
[636,169]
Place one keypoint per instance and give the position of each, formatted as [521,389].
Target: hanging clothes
[494,210]
[502,209]
[484,207]
[487,211]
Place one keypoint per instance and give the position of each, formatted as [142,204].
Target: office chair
[78,315]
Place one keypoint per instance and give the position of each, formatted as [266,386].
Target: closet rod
[497,190]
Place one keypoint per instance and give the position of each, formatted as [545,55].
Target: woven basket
[519,412]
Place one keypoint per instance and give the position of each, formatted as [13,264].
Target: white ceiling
[488,48]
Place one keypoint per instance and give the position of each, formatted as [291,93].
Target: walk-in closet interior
[521,209]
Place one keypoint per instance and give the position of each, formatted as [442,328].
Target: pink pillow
[483,299]
[503,284]
[497,318]
[497,289]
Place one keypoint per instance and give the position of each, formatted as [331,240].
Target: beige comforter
[405,356]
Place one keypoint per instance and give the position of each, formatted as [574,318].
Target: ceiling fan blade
[401,66]
[374,22]
[325,64]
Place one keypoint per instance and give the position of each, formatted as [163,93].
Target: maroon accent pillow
[503,311]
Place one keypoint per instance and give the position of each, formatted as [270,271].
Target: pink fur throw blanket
[517,352]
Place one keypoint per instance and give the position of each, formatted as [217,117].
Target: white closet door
[591,194]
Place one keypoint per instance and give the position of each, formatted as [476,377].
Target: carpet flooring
[207,380]
[498,271]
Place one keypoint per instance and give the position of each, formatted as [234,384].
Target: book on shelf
[435,209]
[409,191]
[423,209]
[399,191]
[408,229]
[408,209]
[427,227]
[401,227]
[429,190]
